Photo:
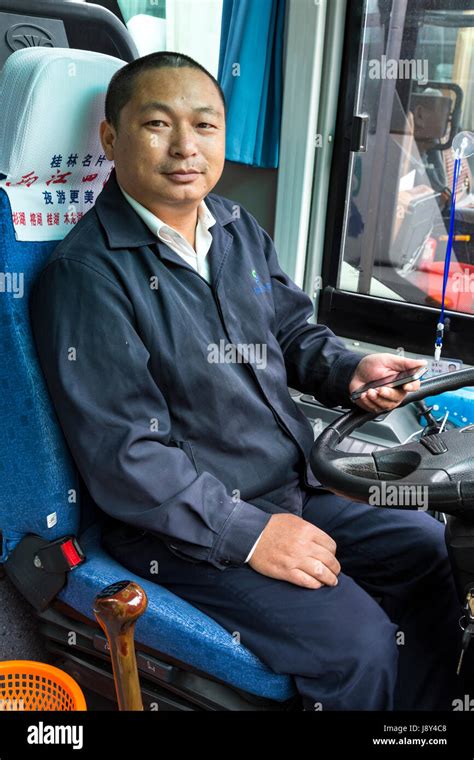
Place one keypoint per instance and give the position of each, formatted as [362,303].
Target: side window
[146,22]
[192,27]
[416,91]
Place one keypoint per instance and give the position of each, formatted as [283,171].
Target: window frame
[355,316]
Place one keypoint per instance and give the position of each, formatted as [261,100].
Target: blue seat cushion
[173,626]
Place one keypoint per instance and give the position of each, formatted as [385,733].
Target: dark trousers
[345,649]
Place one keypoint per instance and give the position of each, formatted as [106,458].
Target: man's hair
[120,89]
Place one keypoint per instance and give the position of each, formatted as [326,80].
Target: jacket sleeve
[317,362]
[117,423]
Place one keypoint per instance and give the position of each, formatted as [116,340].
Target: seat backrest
[54,168]
[60,23]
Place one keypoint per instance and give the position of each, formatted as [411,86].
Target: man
[200,460]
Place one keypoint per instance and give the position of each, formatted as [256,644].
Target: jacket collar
[122,225]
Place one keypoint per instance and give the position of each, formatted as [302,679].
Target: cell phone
[391,381]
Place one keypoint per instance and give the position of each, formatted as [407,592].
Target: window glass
[191,27]
[146,22]
[416,85]
[131,8]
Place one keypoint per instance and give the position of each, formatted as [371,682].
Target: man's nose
[183,141]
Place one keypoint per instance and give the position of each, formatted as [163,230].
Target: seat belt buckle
[38,568]
[60,556]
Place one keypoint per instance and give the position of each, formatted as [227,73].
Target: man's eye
[204,124]
[155,122]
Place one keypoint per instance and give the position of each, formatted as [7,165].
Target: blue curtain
[252,36]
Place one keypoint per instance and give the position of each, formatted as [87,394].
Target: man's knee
[344,655]
[359,671]
[430,551]
[371,656]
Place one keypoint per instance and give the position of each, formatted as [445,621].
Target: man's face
[174,121]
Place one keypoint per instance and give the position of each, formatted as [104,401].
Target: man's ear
[107,138]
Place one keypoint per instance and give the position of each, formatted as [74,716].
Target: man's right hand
[292,549]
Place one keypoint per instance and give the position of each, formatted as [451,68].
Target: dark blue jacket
[165,437]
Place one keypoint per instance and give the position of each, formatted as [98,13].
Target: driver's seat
[52,102]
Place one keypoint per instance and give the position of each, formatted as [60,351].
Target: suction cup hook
[463,145]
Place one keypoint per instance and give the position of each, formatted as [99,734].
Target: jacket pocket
[173,548]
[188,450]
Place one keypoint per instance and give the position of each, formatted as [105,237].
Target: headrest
[52,104]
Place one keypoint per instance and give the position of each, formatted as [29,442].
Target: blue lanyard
[447,261]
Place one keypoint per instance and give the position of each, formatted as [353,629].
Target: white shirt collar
[156,225]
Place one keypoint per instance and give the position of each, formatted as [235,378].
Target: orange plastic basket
[29,685]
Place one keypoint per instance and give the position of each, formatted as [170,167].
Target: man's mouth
[183,175]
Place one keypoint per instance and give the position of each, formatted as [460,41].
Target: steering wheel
[435,473]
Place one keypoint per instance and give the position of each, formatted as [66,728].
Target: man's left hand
[375,366]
